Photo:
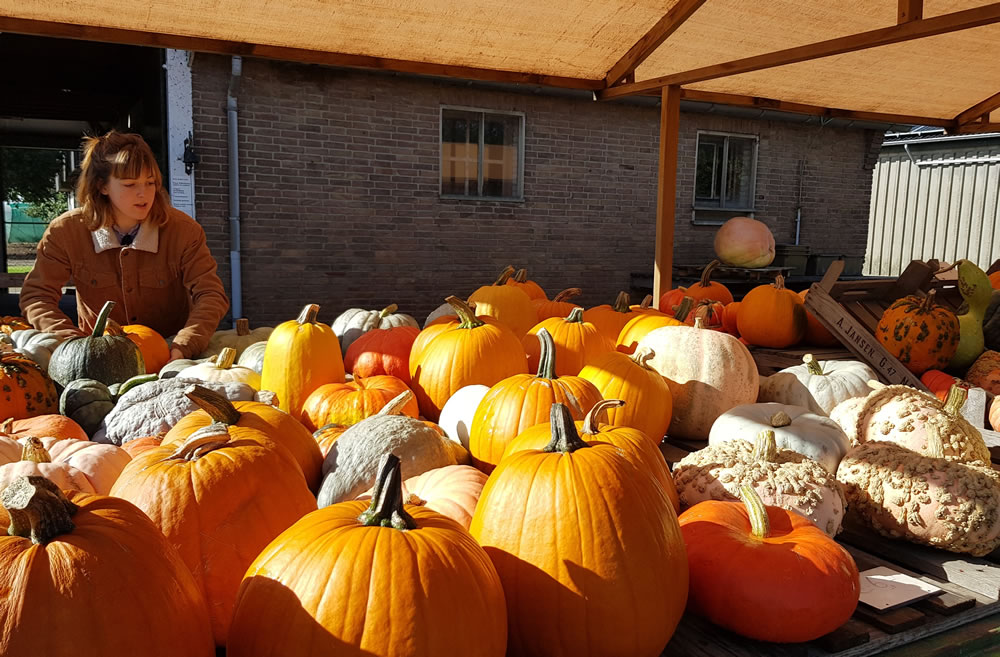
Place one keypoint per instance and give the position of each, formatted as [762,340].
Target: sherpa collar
[148,239]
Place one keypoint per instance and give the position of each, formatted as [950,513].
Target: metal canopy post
[666,196]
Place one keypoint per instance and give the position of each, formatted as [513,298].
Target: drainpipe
[798,210]
[234,190]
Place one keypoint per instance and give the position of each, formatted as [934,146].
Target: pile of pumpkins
[463,484]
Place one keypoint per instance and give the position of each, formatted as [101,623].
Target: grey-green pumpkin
[87,401]
[105,358]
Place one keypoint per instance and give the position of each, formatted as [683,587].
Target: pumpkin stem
[507,272]
[575,316]
[956,400]
[699,323]
[7,426]
[467,318]
[242,327]
[568,294]
[386,509]
[598,413]
[102,319]
[642,356]
[547,355]
[38,510]
[646,301]
[565,438]
[308,314]
[813,365]
[622,303]
[133,382]
[706,273]
[202,442]
[760,524]
[928,303]
[521,276]
[779,282]
[395,405]
[765,449]
[388,310]
[684,309]
[114,328]
[34,451]
[780,419]
[216,405]
[226,358]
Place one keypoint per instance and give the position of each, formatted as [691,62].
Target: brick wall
[339,187]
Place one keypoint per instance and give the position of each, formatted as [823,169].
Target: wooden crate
[770,360]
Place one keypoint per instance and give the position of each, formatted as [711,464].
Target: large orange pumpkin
[705,289]
[648,404]
[575,526]
[382,351]
[474,351]
[529,287]
[638,327]
[25,389]
[155,352]
[772,316]
[349,403]
[55,426]
[921,334]
[560,306]
[816,333]
[219,497]
[577,343]
[506,303]
[65,553]
[379,579]
[522,401]
[610,319]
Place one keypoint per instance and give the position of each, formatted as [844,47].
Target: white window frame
[695,208]
[480,168]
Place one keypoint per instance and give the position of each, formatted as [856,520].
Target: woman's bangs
[131,161]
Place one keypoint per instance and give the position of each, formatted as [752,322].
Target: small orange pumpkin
[638,327]
[705,289]
[648,402]
[349,403]
[560,306]
[730,317]
[610,319]
[921,334]
[995,280]
[772,316]
[816,333]
[25,389]
[939,383]
[155,352]
[577,343]
[711,314]
[508,304]
[646,306]
[531,288]
[382,351]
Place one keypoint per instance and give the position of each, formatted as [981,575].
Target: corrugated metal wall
[945,204]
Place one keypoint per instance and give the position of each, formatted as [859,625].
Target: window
[481,154]
[725,172]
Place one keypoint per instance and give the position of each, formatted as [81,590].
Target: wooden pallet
[970,585]
[770,360]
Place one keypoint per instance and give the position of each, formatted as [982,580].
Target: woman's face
[131,198]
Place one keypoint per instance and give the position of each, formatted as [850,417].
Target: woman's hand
[175,354]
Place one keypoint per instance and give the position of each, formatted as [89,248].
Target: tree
[29,174]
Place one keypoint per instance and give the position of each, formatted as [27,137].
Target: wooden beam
[219,46]
[910,10]
[650,41]
[943,24]
[815,110]
[976,128]
[666,196]
[980,109]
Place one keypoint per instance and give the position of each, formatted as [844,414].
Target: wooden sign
[883,588]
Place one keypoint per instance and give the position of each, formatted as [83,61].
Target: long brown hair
[123,156]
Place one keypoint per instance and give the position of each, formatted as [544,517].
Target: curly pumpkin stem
[568,294]
[547,355]
[466,316]
[565,438]
[642,356]
[242,327]
[388,310]
[955,400]
[114,328]
[622,303]
[507,272]
[395,405]
[102,319]
[38,510]
[34,451]
[386,509]
[598,413]
[308,314]
[706,273]
[226,358]
[765,448]
[760,524]
[202,442]
[780,419]
[684,309]
[813,365]
[219,408]
[575,316]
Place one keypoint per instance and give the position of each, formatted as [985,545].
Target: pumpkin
[355,322]
[578,526]
[938,382]
[919,333]
[648,404]
[111,358]
[524,400]
[814,436]
[610,319]
[475,351]
[705,289]
[976,291]
[531,288]
[730,318]
[991,323]
[411,569]
[507,304]
[817,385]
[328,434]
[280,428]
[645,306]
[301,355]
[25,389]
[638,447]
[140,445]
[744,242]
[222,370]
[87,402]
[64,552]
[816,334]
[176,366]
[382,351]
[352,462]
[638,327]
[711,314]
[349,403]
[994,280]
[36,345]
[772,316]
[443,313]
[453,491]
[459,411]
[187,489]
[708,372]
[924,498]
[985,372]
[739,552]
[239,338]
[995,414]
[53,425]
[154,349]
[70,463]
[253,357]
[577,343]
[560,305]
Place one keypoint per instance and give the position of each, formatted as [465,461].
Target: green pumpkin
[87,402]
[975,288]
[105,358]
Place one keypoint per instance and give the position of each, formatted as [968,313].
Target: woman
[126,244]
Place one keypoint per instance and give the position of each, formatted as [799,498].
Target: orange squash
[772,316]
[155,352]
[508,304]
[711,313]
[816,333]
[638,327]
[349,403]
[705,289]
[382,351]
[610,319]
[648,402]
[577,343]
[939,383]
[921,334]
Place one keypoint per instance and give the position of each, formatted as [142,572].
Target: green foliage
[29,174]
[48,209]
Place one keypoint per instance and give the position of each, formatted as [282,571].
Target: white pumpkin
[456,416]
[355,322]
[253,357]
[795,428]
[238,338]
[222,371]
[818,385]
[36,345]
